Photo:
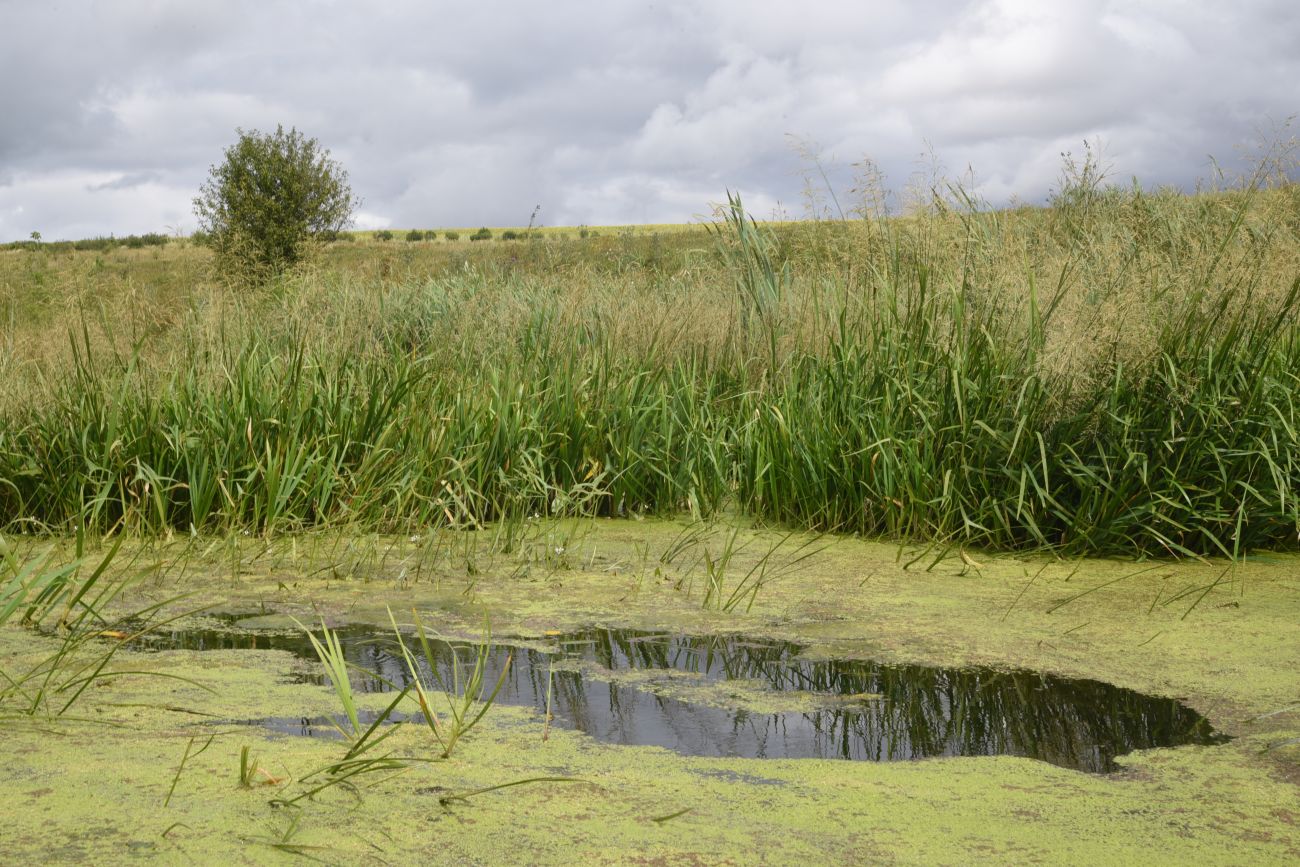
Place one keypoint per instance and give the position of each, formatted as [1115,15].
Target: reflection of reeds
[883,712]
[861,709]
[934,712]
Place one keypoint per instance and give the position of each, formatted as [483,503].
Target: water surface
[611,684]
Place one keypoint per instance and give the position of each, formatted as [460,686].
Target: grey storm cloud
[472,113]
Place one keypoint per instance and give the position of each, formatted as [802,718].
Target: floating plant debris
[626,687]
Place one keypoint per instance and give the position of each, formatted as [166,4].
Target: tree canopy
[265,205]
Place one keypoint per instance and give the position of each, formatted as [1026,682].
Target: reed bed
[1114,374]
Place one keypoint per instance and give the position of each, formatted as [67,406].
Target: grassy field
[1115,374]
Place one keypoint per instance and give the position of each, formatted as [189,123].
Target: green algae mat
[790,726]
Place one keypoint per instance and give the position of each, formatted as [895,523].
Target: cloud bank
[460,114]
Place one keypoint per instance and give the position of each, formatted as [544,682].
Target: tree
[264,207]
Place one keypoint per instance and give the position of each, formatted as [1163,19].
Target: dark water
[920,711]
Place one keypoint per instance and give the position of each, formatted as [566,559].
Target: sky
[609,112]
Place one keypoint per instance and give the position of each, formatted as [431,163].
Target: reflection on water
[872,712]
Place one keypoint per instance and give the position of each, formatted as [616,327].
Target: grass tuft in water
[466,696]
[330,652]
[89,637]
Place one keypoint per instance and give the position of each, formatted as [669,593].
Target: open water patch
[690,694]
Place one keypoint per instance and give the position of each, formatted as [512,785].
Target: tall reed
[1114,374]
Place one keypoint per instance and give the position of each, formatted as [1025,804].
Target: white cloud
[83,204]
[738,110]
[462,114]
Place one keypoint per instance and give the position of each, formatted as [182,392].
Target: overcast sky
[473,112]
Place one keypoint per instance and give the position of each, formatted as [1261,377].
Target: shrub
[483,234]
[383,235]
[452,236]
[509,235]
[270,197]
[415,235]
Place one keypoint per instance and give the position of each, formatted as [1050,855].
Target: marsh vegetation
[1114,374]
[672,430]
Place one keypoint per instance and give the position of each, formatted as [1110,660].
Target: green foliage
[100,244]
[284,440]
[1115,374]
[466,695]
[383,235]
[762,283]
[265,204]
[721,595]
[251,772]
[149,239]
[932,422]
[415,235]
[330,652]
[510,235]
[483,234]
[452,236]
[39,591]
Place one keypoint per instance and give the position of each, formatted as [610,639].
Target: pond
[696,695]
